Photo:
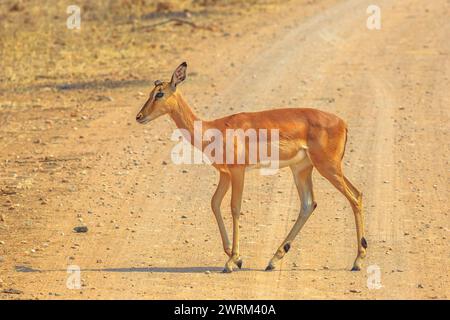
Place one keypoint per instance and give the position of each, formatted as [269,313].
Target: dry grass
[37,49]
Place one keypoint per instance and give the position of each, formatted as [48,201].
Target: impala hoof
[356,268]
[239,263]
[270,267]
[225,270]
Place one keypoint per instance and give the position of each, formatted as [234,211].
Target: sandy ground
[73,155]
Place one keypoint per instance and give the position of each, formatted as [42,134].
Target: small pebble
[80,229]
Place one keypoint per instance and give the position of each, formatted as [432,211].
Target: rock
[12,291]
[80,229]
[16,7]
[208,272]
[54,294]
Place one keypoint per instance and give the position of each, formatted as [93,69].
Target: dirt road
[151,231]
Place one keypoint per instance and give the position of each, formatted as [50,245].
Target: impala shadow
[165,269]
[26,269]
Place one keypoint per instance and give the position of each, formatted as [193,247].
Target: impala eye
[159,95]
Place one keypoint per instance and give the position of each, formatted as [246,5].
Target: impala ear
[178,75]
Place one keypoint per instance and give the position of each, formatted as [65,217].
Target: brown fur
[321,134]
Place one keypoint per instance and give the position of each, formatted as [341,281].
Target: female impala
[308,139]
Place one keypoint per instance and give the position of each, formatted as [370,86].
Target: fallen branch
[48,160]
[178,21]
[7,192]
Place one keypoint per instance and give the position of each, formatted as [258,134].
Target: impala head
[162,97]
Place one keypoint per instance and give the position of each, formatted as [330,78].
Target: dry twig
[178,21]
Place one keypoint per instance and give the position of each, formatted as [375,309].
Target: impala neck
[183,116]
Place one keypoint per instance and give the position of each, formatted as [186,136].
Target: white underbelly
[300,158]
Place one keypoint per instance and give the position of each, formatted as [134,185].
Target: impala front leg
[237,187]
[216,201]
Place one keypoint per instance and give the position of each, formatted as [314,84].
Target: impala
[308,139]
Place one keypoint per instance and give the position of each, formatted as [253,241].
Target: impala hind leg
[354,196]
[237,187]
[359,221]
[216,201]
[303,181]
